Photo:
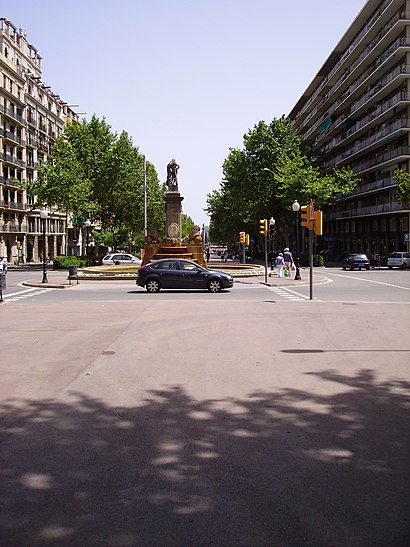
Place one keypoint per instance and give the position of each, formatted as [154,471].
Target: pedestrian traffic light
[247,240]
[242,237]
[318,223]
[263,227]
[304,217]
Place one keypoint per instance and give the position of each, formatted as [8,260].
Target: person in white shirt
[279,264]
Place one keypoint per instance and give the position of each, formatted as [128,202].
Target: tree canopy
[94,173]
[265,177]
[403,181]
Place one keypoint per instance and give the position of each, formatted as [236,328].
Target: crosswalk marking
[22,295]
[288,294]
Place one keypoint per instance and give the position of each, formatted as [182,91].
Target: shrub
[63,262]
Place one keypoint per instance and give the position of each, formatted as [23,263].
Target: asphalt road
[330,284]
[199,419]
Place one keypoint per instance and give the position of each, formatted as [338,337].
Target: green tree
[186,224]
[264,178]
[403,181]
[95,173]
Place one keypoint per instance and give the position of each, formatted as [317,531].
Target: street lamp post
[272,223]
[87,228]
[43,216]
[296,208]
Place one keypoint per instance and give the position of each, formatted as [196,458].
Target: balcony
[9,227]
[12,159]
[380,209]
[31,120]
[389,157]
[13,206]
[14,183]
[12,137]
[372,187]
[11,114]
[393,129]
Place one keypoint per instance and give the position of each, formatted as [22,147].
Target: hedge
[63,262]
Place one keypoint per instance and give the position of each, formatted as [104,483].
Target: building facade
[31,117]
[355,112]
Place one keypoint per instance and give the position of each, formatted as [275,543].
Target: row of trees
[265,177]
[95,173]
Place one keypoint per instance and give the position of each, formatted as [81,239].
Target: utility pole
[145,200]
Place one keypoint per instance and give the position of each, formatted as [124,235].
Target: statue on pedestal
[172,172]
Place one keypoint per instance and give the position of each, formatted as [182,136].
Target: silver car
[399,259]
[120,258]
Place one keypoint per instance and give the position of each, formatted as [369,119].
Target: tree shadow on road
[282,467]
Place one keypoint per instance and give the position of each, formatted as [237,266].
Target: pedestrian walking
[208,255]
[3,265]
[279,264]
[288,259]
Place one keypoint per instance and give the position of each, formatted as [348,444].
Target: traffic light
[304,217]
[318,223]
[242,237]
[271,230]
[247,240]
[263,227]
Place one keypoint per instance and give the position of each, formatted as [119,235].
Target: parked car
[120,258]
[177,273]
[398,259]
[356,260]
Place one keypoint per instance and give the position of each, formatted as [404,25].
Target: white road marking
[22,295]
[371,281]
[288,294]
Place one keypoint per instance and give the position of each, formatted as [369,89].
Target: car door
[192,277]
[168,274]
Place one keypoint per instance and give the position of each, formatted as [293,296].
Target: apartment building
[356,112]
[31,117]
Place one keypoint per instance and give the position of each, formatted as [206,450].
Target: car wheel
[344,268]
[367,267]
[153,285]
[404,265]
[351,268]
[215,286]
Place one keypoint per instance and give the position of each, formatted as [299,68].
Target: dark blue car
[178,273]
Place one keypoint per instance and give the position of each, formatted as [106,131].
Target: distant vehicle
[356,260]
[398,259]
[120,258]
[178,273]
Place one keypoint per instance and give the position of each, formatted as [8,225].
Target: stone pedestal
[173,210]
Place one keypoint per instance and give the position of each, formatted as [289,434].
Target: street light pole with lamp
[87,228]
[43,216]
[296,209]
[272,223]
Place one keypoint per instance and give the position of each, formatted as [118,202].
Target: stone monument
[172,244]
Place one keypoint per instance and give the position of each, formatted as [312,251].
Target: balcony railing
[12,205]
[375,186]
[12,137]
[373,139]
[13,159]
[12,228]
[383,158]
[380,209]
[11,113]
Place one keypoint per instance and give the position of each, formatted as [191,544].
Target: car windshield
[359,256]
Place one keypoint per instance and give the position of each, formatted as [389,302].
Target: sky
[186,79]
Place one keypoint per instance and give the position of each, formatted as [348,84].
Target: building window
[404,224]
[392,225]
